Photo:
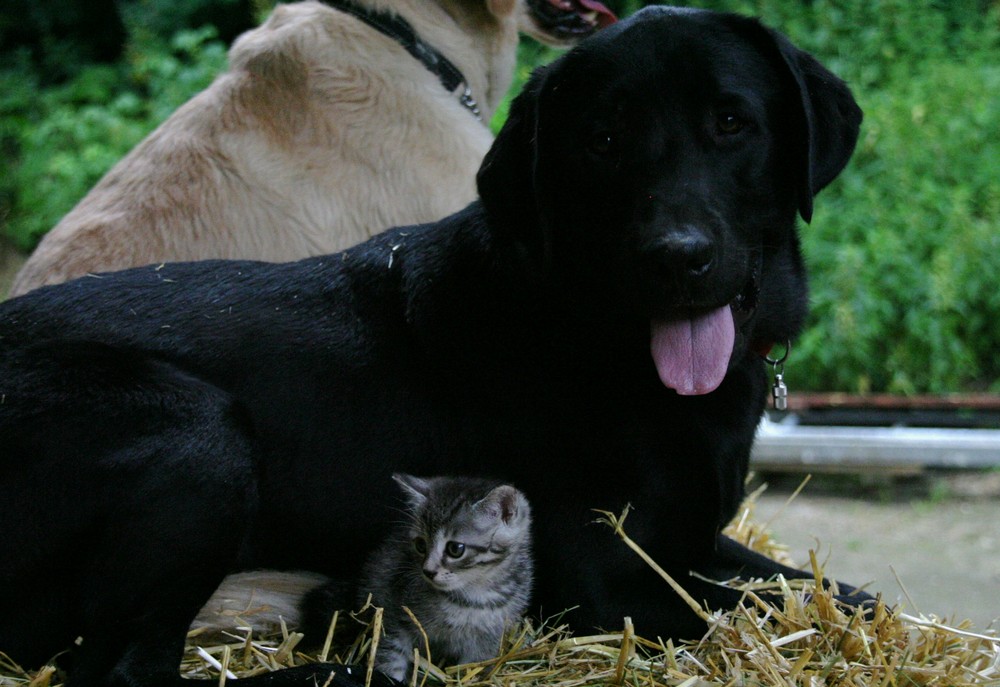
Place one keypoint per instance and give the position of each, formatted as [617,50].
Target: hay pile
[805,640]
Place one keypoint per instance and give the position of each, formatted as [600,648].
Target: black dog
[590,331]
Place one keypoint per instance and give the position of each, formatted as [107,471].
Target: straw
[806,638]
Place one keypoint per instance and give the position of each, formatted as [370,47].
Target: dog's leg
[149,477]
[143,586]
[732,560]
[180,528]
[150,483]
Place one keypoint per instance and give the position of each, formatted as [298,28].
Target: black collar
[399,30]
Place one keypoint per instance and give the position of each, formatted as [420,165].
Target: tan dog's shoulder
[321,133]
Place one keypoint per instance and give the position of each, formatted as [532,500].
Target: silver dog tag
[779,392]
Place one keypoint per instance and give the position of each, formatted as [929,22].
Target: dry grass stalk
[790,633]
[616,523]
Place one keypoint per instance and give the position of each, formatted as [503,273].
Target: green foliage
[59,36]
[59,141]
[905,248]
[160,19]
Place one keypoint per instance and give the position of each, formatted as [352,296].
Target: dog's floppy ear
[831,117]
[506,177]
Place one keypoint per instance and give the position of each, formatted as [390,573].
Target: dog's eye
[601,143]
[729,124]
[454,549]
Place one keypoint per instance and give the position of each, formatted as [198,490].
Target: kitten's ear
[415,489]
[506,503]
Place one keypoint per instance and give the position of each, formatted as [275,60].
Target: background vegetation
[904,247]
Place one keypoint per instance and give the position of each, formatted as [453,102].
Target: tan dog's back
[321,133]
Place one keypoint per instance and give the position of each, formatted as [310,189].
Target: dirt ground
[932,550]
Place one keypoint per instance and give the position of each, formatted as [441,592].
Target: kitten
[462,564]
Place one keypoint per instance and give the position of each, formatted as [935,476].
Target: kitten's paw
[395,664]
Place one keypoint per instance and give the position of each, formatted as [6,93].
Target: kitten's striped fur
[461,563]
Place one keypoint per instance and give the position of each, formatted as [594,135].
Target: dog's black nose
[686,253]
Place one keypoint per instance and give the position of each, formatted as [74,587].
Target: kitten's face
[462,532]
[458,556]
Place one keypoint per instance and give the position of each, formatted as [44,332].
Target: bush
[57,37]
[61,140]
[904,248]
[161,19]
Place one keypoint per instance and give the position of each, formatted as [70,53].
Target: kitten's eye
[601,143]
[454,549]
[420,545]
[729,124]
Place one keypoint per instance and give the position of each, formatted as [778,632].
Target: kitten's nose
[430,574]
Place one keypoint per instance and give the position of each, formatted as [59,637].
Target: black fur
[161,427]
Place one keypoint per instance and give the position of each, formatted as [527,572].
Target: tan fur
[322,132]
[257,598]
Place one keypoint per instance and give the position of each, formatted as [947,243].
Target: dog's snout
[687,252]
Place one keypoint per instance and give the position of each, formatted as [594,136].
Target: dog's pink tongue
[602,15]
[605,17]
[692,356]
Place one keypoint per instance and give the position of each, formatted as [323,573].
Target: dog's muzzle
[571,19]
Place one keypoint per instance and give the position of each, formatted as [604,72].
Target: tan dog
[323,131]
